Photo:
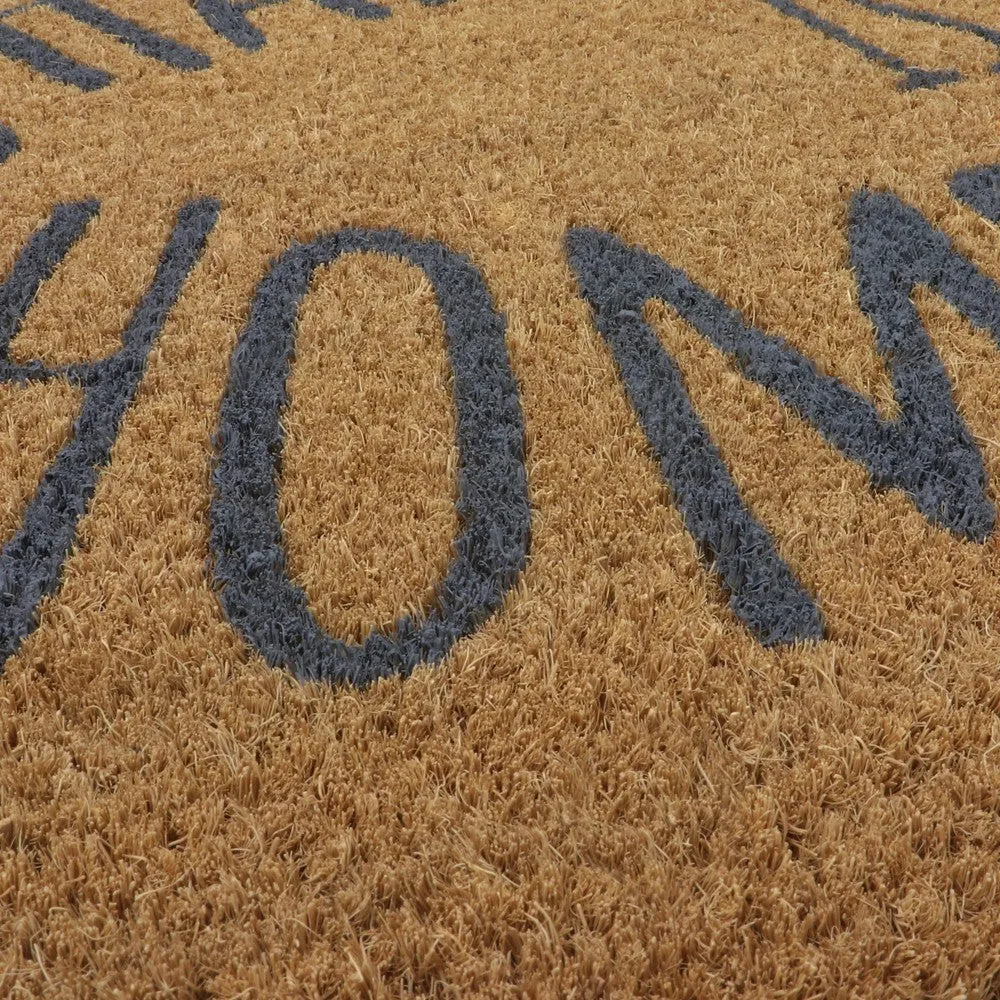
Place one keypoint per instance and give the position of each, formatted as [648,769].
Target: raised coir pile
[500,499]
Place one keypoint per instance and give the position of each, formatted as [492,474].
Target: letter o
[248,552]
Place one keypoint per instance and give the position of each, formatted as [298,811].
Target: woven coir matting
[500,499]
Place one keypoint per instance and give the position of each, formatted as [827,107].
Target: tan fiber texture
[611,788]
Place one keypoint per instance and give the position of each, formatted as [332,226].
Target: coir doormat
[500,499]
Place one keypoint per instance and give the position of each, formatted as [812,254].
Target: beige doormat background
[455,322]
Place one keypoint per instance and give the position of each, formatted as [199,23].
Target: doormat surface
[500,499]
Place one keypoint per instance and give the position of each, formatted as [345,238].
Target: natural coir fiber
[500,499]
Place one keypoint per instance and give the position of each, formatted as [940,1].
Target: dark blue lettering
[9,144]
[990,35]
[24,47]
[31,561]
[912,77]
[928,452]
[979,187]
[228,17]
[257,595]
